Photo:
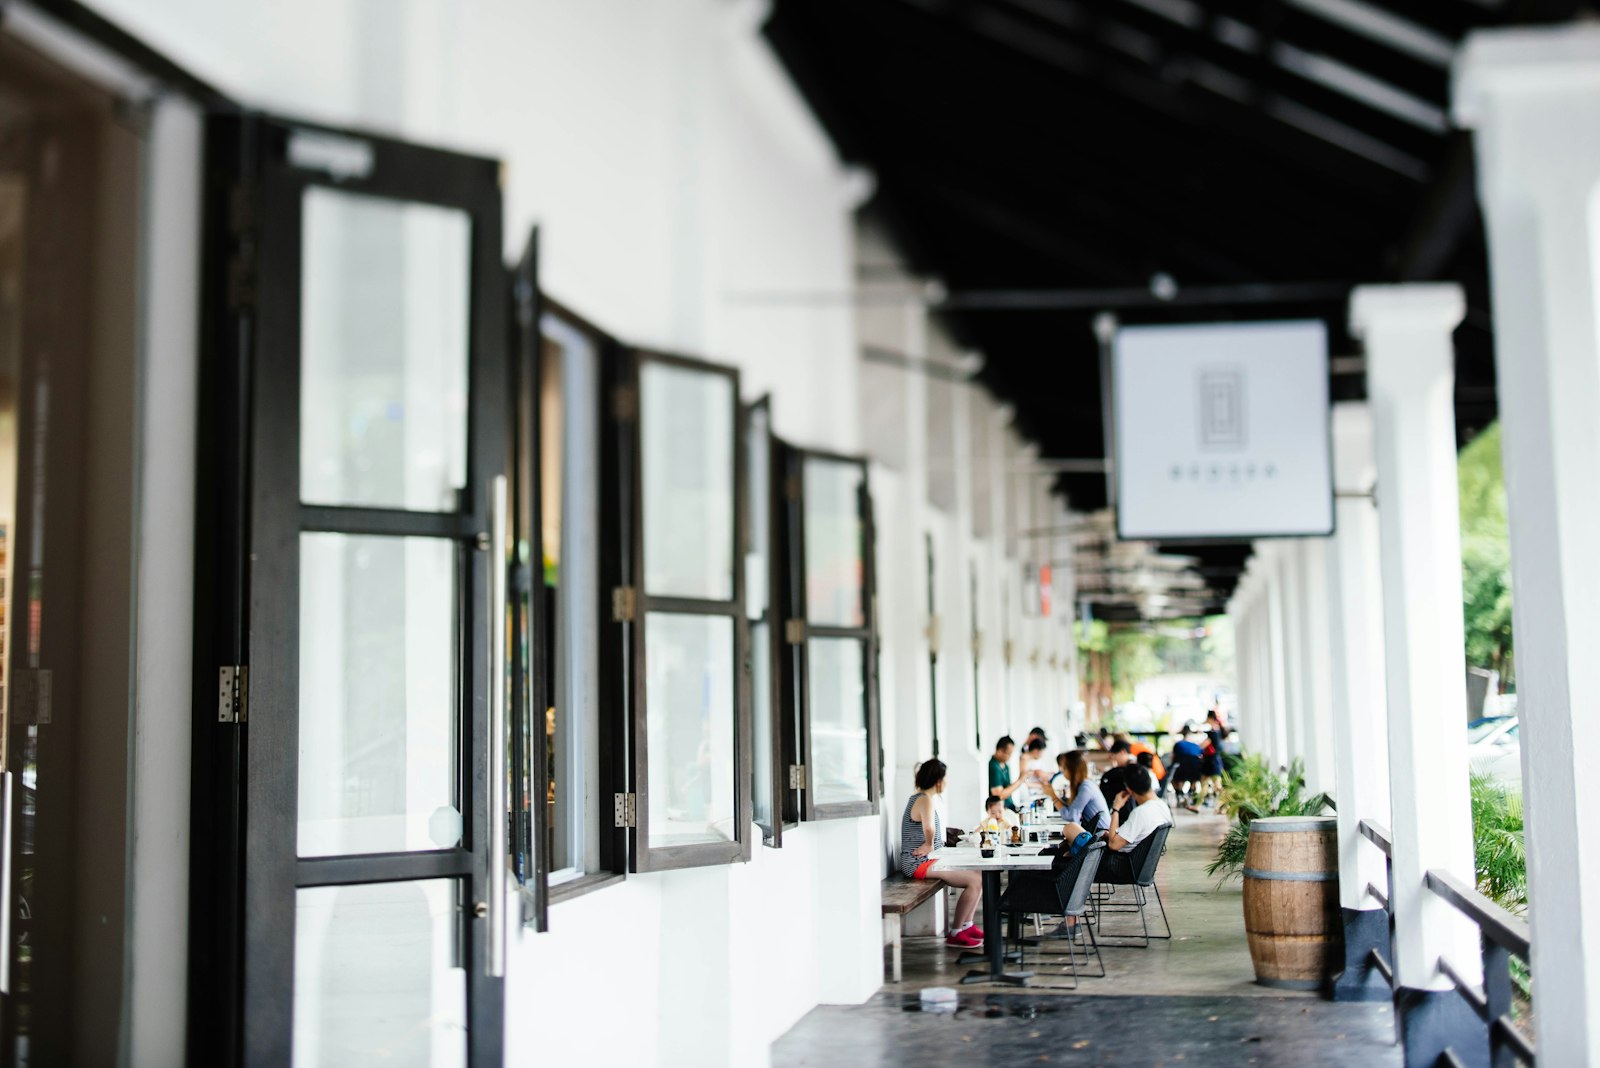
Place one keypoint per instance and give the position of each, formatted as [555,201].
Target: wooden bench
[900,896]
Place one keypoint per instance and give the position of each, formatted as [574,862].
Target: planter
[1291,901]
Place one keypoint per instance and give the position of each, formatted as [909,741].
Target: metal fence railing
[1503,937]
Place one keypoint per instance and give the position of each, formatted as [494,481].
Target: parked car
[1494,749]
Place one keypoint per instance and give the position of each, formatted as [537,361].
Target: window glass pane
[764,802]
[689,710]
[686,422]
[568,402]
[378,724]
[837,678]
[834,535]
[378,976]
[757,563]
[383,351]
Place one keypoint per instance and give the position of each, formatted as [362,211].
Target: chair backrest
[1148,855]
[1075,898]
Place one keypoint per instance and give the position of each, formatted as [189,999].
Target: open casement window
[351,818]
[681,614]
[775,805]
[565,733]
[833,631]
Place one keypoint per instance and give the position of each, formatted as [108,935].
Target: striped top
[912,836]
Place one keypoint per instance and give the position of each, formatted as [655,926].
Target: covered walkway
[1195,999]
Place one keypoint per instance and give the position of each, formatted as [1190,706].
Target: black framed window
[774,799]
[834,664]
[933,640]
[683,615]
[564,730]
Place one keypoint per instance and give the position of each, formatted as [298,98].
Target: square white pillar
[1532,98]
[1360,716]
[1410,380]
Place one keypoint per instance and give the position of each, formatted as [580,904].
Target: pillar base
[1365,930]
[1432,1021]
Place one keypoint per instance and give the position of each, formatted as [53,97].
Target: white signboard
[1222,431]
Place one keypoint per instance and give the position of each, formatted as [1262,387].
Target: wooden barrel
[1291,901]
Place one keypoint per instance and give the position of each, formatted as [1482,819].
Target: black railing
[1503,936]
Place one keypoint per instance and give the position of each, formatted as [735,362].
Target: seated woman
[921,832]
[1078,800]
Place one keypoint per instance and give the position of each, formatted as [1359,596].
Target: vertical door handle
[499,836]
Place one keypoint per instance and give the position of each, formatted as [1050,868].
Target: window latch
[797,776]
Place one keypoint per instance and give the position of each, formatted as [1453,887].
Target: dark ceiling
[1062,147]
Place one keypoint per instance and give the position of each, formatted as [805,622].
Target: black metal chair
[1137,870]
[1064,892]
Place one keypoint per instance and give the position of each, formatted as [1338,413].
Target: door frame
[247,871]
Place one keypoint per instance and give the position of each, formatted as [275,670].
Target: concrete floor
[1190,1000]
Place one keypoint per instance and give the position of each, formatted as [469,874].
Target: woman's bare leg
[971,884]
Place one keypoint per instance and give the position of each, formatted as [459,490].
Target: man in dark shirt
[1114,781]
[1000,784]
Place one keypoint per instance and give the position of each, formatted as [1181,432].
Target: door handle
[499,836]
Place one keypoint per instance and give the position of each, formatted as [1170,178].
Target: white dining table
[1005,858]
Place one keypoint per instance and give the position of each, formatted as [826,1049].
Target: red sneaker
[964,940]
[975,930]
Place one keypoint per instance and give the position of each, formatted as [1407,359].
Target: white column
[1294,667]
[1410,379]
[1316,731]
[1277,666]
[1533,101]
[1360,717]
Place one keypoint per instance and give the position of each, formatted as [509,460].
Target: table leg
[994,940]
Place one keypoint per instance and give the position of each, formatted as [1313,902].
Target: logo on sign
[1222,413]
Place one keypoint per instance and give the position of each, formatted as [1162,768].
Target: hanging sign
[1222,431]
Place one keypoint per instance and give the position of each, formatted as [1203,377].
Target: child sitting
[997,819]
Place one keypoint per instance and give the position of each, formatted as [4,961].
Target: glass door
[361,720]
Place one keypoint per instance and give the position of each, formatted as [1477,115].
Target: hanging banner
[1222,431]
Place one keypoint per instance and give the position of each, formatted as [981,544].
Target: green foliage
[1252,791]
[1498,846]
[1142,651]
[1485,556]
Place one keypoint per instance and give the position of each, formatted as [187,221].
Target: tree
[1486,556]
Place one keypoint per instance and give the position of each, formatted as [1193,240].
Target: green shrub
[1252,791]
[1497,845]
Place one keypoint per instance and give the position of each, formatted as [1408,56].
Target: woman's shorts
[922,869]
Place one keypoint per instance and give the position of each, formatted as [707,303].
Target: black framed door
[351,830]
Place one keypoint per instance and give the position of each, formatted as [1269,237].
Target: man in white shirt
[1150,812]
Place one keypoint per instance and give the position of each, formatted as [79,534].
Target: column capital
[1409,307]
[1526,61]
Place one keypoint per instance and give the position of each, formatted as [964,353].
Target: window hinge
[933,633]
[233,694]
[977,645]
[794,631]
[1008,650]
[626,812]
[794,487]
[625,404]
[1054,661]
[1033,658]
[624,604]
[797,776]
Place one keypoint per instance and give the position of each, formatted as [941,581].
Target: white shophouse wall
[675,173]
